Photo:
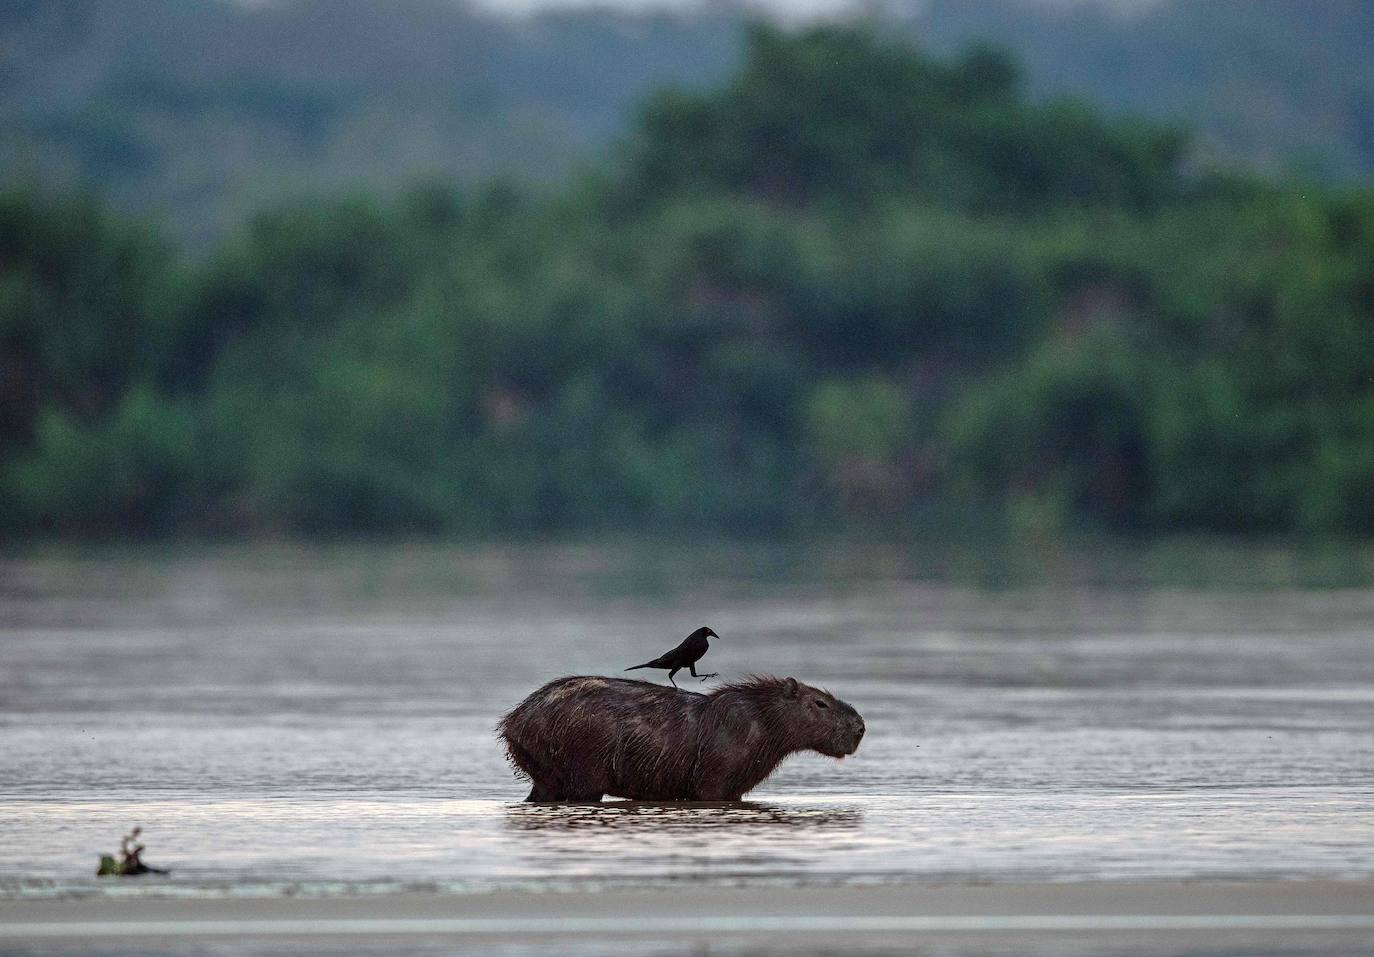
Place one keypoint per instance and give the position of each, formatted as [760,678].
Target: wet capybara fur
[581,738]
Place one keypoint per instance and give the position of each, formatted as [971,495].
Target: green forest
[851,286]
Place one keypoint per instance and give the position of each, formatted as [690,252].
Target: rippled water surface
[320,720]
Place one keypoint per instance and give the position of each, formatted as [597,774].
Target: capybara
[580,738]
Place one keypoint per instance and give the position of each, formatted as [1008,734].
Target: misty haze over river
[318,720]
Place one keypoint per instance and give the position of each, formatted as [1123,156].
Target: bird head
[706,632]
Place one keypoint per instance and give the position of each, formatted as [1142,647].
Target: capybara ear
[789,687]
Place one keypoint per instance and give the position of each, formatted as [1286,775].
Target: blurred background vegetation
[591,272]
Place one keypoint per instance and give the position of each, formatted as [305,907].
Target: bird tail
[647,664]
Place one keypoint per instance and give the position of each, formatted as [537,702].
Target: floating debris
[132,863]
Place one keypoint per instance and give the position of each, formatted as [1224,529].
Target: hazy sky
[790,9]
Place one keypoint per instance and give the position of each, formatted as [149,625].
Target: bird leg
[673,672]
[693,668]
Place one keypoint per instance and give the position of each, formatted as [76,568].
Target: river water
[285,719]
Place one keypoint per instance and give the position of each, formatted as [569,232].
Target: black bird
[685,655]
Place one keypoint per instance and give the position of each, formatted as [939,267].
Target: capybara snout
[854,729]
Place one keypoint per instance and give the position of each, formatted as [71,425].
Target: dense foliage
[851,285]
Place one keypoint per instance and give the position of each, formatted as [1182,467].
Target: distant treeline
[852,285]
[201,112]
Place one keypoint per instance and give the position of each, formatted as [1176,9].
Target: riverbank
[1196,917]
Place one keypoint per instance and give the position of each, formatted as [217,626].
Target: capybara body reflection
[581,738]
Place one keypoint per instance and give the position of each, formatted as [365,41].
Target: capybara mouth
[844,750]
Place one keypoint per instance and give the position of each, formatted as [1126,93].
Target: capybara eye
[820,704]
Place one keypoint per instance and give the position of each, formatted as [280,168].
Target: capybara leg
[541,793]
[718,794]
[585,797]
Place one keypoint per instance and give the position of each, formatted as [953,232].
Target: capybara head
[822,721]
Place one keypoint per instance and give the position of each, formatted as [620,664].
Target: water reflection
[642,817]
